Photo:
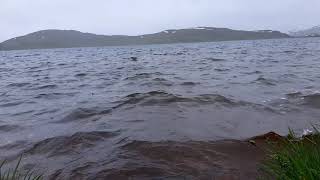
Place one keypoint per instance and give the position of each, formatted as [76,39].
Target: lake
[85,112]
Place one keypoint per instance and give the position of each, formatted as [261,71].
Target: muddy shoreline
[87,156]
[225,159]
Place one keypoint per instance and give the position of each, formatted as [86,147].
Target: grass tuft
[15,174]
[295,158]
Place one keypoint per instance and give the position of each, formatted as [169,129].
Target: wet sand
[88,156]
[228,159]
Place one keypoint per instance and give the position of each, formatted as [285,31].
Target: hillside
[312,32]
[70,38]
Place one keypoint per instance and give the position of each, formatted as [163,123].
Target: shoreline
[268,156]
[223,159]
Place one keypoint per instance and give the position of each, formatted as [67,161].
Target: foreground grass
[15,174]
[295,158]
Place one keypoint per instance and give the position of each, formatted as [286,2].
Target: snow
[204,28]
[269,31]
[200,28]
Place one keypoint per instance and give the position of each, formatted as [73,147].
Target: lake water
[67,109]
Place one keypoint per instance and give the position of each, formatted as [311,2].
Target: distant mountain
[312,32]
[70,38]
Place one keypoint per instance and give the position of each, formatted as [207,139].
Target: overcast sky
[132,17]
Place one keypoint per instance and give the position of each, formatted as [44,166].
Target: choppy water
[72,111]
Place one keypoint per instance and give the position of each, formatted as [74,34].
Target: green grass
[295,158]
[15,174]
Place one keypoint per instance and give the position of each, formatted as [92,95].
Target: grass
[15,174]
[295,158]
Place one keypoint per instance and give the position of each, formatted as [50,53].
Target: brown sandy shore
[88,156]
[227,159]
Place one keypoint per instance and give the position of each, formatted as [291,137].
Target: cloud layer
[132,17]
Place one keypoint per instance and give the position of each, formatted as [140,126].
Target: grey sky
[132,17]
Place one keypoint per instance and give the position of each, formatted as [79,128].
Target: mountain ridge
[54,38]
[311,32]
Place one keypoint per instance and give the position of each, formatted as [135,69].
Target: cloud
[19,17]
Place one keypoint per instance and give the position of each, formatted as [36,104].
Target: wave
[49,86]
[161,98]
[143,76]
[55,95]
[27,55]
[297,100]
[156,98]
[83,113]
[21,144]
[11,104]
[215,59]
[152,98]
[253,72]
[18,84]
[289,52]
[189,83]
[265,81]
[312,100]
[139,76]
[8,128]
[80,75]
[158,82]
[221,69]
[68,145]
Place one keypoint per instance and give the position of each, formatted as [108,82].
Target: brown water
[96,112]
